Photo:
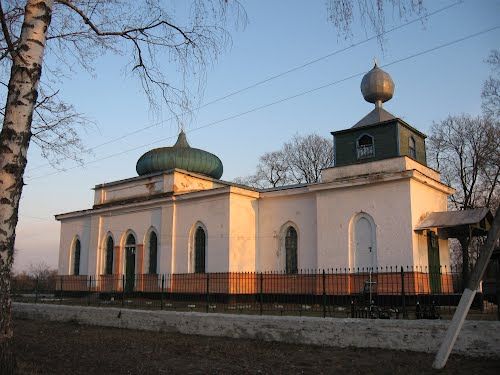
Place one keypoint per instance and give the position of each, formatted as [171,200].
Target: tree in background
[491,87]
[39,277]
[76,32]
[299,161]
[466,150]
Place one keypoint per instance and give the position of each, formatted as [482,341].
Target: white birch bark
[14,141]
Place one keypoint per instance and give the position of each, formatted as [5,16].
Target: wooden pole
[468,295]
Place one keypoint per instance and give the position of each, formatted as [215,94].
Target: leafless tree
[491,87]
[299,161]
[75,33]
[273,169]
[466,150]
[306,156]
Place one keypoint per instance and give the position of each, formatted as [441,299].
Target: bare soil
[68,348]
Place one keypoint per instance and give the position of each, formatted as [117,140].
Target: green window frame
[76,260]
[153,253]
[108,270]
[199,250]
[291,250]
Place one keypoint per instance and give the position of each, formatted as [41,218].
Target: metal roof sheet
[374,117]
[449,219]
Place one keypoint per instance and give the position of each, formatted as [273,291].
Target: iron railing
[383,292]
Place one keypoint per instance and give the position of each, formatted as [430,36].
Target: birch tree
[76,32]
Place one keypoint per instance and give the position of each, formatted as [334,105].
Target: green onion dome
[181,156]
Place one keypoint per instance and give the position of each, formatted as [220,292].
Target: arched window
[76,257]
[365,147]
[412,151]
[291,250]
[130,263]
[108,270]
[199,250]
[153,252]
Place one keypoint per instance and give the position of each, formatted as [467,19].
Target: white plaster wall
[213,212]
[80,227]
[138,221]
[388,203]
[397,164]
[166,239]
[186,183]
[242,232]
[424,200]
[274,212]
[146,186]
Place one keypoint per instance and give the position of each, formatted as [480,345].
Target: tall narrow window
[291,250]
[199,248]
[130,263]
[412,151]
[153,252]
[109,256]
[76,260]
[365,147]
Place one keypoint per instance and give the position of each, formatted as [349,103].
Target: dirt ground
[68,348]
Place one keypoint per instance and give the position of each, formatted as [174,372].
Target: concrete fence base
[477,338]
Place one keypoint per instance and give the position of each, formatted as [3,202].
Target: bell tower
[379,135]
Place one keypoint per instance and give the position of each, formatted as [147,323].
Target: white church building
[177,216]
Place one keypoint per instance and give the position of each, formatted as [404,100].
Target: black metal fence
[384,292]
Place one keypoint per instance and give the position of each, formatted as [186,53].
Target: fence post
[208,290]
[403,296]
[324,294]
[162,291]
[123,290]
[261,282]
[36,290]
[61,291]
[89,291]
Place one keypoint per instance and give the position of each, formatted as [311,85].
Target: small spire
[375,65]
[181,140]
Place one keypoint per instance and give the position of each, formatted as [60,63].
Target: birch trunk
[14,141]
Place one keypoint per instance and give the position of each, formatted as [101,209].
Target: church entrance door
[434,264]
[365,255]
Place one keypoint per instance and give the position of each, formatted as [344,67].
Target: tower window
[412,151]
[365,147]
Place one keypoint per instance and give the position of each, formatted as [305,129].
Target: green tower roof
[181,156]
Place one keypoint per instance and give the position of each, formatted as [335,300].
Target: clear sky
[280,35]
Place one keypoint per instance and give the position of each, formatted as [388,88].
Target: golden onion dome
[377,86]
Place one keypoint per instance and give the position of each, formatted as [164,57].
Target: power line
[258,108]
[271,78]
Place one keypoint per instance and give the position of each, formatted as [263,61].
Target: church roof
[448,219]
[374,117]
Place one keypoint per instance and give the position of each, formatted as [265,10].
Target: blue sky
[280,35]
